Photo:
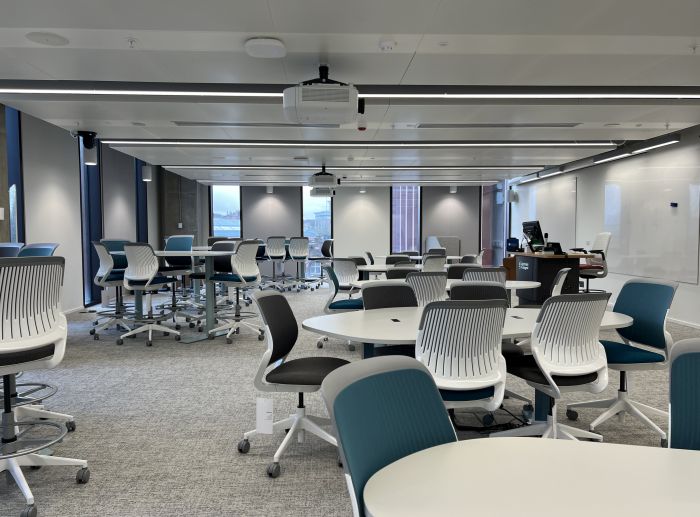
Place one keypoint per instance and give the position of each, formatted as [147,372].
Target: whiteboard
[553,203]
[650,237]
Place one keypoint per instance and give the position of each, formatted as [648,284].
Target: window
[226,210]
[405,218]
[317,226]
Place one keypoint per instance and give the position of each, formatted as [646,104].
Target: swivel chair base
[28,404]
[550,429]
[297,424]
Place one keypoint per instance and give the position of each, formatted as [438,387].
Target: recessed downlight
[49,39]
[265,48]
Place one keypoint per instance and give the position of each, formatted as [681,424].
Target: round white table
[399,325]
[510,284]
[547,478]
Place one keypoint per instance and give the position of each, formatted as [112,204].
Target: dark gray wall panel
[452,214]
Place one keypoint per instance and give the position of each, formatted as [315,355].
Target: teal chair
[684,392]
[645,345]
[382,410]
[39,249]
[117,245]
[334,306]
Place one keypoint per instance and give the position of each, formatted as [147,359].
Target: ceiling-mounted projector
[323,184]
[320,101]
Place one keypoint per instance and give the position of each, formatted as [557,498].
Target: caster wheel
[70,425]
[664,443]
[319,344]
[528,411]
[96,337]
[200,329]
[340,462]
[83,476]
[149,343]
[192,325]
[488,420]
[178,338]
[29,511]
[166,334]
[94,323]
[187,320]
[120,341]
[572,415]
[210,336]
[351,348]
[261,336]
[244,446]
[178,327]
[162,312]
[229,341]
[273,470]
[35,467]
[92,332]
[238,331]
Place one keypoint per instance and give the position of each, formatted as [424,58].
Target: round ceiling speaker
[265,48]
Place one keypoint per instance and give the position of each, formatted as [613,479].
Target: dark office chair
[410,253]
[442,252]
[39,249]
[362,394]
[383,295]
[473,291]
[399,273]
[393,259]
[277,374]
[359,261]
[468,259]
[10,249]
[456,271]
[370,257]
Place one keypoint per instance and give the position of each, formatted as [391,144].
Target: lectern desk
[543,268]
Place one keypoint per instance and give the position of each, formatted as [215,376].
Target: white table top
[510,284]
[382,268]
[377,326]
[193,253]
[546,478]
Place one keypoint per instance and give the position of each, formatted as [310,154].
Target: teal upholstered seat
[346,305]
[620,353]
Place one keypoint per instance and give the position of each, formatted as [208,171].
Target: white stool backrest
[428,286]
[559,280]
[600,243]
[299,247]
[106,262]
[434,263]
[275,247]
[30,297]
[143,263]
[461,339]
[243,262]
[485,274]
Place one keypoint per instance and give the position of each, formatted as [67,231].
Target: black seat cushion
[307,371]
[525,367]
[26,356]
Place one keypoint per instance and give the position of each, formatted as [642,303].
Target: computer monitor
[533,234]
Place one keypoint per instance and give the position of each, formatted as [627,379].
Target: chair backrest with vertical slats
[143,263]
[346,271]
[243,261]
[428,286]
[276,248]
[299,248]
[434,263]
[485,274]
[106,262]
[30,296]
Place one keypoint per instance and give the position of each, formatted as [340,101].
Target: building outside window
[405,218]
[316,226]
[226,210]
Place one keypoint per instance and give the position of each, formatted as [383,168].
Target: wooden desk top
[543,256]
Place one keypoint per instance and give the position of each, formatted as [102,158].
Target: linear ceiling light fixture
[417,144]
[276,92]
[360,167]
[611,158]
[674,140]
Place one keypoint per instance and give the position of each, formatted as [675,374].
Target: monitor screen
[533,233]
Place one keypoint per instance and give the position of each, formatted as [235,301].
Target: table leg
[210,293]
[542,404]
[364,275]
[367,350]
[138,303]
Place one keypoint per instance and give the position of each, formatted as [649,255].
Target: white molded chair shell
[243,262]
[30,310]
[143,265]
[485,274]
[346,271]
[299,248]
[434,263]
[275,247]
[428,286]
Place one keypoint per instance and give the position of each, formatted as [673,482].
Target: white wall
[452,215]
[118,194]
[673,171]
[51,168]
[361,222]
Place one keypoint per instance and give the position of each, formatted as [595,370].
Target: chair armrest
[580,250]
[599,252]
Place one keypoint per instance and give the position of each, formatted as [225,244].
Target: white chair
[277,374]
[347,273]
[142,275]
[334,306]
[559,279]
[485,274]
[428,286]
[244,275]
[566,357]
[434,263]
[460,344]
[105,277]
[33,333]
[596,266]
[299,252]
[276,249]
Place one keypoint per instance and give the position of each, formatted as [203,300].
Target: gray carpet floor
[159,428]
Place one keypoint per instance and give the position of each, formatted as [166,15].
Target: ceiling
[436,42]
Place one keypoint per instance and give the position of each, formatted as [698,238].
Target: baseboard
[686,323]
[71,311]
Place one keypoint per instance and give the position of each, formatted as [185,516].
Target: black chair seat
[525,367]
[26,356]
[165,269]
[307,371]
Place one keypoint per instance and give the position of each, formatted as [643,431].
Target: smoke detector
[387,44]
[265,48]
[49,39]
